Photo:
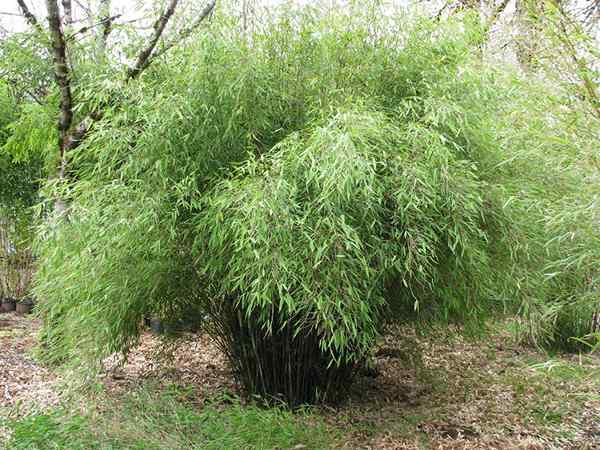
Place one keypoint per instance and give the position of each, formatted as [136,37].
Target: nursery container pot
[8,305]
[25,306]
[156,326]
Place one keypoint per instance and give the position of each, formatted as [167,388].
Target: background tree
[18,194]
[78,111]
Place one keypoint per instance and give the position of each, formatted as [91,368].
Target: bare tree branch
[144,59]
[2,13]
[439,14]
[589,86]
[16,85]
[592,12]
[107,21]
[159,26]
[29,17]
[186,32]
[68,11]
[87,28]
[70,137]
[495,14]
[77,134]
[87,9]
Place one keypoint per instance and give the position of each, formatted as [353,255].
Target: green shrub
[302,185]
[19,188]
[315,232]
[564,309]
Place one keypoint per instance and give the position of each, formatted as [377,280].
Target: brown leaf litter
[23,382]
[440,391]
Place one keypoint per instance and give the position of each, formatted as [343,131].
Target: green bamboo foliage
[19,185]
[299,185]
[315,233]
[324,223]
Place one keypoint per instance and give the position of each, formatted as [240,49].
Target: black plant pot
[25,306]
[190,321]
[156,326]
[8,305]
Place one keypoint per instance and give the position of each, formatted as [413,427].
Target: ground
[442,390]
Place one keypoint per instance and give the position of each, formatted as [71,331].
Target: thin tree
[71,131]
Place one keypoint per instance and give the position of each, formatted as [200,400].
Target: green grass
[145,419]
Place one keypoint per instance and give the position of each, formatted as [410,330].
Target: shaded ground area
[440,391]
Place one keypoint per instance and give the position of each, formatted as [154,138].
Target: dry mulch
[193,360]
[442,391]
[190,361]
[445,391]
[23,382]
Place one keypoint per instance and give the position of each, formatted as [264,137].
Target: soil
[442,391]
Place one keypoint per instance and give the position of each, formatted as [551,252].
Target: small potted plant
[25,306]
[8,304]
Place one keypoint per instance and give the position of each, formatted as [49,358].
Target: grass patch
[551,395]
[145,419]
